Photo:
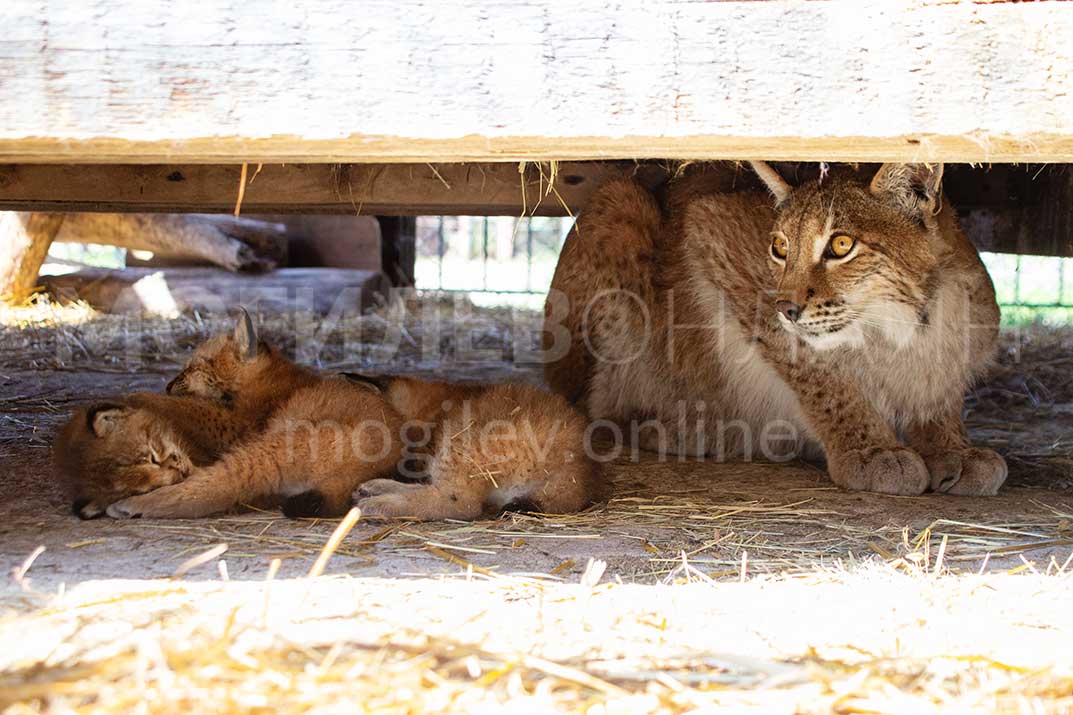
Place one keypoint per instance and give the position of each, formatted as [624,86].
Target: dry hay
[413,332]
[751,596]
[1025,408]
[896,637]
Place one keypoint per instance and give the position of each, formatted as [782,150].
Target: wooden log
[331,241]
[335,80]
[171,290]
[269,240]
[24,242]
[189,238]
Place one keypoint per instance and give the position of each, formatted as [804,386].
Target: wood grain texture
[373,189]
[24,242]
[150,81]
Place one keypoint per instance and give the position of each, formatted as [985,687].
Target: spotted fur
[668,315]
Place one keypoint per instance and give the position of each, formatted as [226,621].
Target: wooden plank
[1015,209]
[375,189]
[224,81]
[1024,209]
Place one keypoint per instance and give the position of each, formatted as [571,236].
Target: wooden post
[24,242]
[398,248]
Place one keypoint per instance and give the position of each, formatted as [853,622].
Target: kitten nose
[789,309]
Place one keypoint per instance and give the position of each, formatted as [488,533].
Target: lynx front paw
[890,471]
[967,472]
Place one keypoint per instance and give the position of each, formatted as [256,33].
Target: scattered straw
[334,540]
[203,558]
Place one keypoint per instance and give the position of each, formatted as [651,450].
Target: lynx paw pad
[967,472]
[898,471]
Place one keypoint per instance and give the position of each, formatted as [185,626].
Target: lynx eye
[780,247]
[155,458]
[840,246]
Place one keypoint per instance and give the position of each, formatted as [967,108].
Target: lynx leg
[954,465]
[319,457]
[426,502]
[200,495]
[862,450]
[607,258]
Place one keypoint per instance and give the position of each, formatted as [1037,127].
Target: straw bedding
[755,587]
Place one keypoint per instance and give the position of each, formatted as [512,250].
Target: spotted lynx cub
[847,320]
[308,438]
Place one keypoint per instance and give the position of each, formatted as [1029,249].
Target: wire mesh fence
[505,257]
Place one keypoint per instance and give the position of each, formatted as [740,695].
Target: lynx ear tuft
[245,336]
[914,188]
[103,418]
[774,183]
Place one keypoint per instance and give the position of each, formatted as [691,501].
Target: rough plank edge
[977,148]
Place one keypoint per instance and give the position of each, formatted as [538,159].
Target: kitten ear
[245,336]
[774,183]
[104,417]
[914,188]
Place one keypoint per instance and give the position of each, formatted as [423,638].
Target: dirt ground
[775,519]
[699,587]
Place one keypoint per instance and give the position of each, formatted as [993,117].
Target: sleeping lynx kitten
[852,314]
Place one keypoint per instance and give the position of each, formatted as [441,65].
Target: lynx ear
[245,336]
[103,418]
[914,188]
[774,183]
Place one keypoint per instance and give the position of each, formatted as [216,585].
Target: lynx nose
[790,310]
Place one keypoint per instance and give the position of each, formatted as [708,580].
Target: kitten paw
[898,471]
[967,472]
[178,501]
[385,506]
[376,487]
[124,509]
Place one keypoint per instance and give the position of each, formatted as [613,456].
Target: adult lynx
[850,316]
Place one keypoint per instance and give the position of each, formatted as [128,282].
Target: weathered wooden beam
[373,189]
[1014,209]
[1025,209]
[151,81]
